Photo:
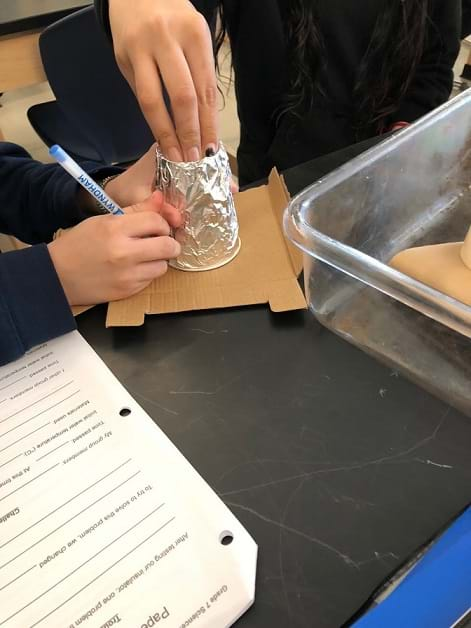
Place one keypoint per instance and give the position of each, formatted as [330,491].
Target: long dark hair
[385,73]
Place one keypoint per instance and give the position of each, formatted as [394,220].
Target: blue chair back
[90,90]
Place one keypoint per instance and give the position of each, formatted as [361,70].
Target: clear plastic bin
[412,189]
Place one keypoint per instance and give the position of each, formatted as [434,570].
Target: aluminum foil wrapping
[201,190]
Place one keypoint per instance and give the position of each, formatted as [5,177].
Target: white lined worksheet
[102,520]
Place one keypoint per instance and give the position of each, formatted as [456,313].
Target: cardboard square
[265,271]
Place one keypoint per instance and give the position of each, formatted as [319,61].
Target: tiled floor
[16,128]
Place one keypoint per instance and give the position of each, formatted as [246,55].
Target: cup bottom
[174,263]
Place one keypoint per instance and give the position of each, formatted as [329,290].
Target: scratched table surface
[339,468]
[17,16]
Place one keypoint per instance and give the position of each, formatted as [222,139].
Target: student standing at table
[311,76]
[101,259]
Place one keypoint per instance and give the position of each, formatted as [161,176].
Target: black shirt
[259,56]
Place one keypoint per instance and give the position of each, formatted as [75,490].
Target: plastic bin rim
[403,288]
[370,156]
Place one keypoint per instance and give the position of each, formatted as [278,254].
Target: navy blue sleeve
[466,19]
[35,200]
[38,199]
[33,306]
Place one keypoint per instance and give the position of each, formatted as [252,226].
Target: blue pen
[85,181]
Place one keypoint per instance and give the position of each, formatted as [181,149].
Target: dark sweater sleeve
[33,307]
[102,12]
[37,199]
[433,81]
[466,19]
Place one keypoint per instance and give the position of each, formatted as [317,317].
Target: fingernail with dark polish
[210,152]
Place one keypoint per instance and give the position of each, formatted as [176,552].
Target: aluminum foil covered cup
[201,190]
